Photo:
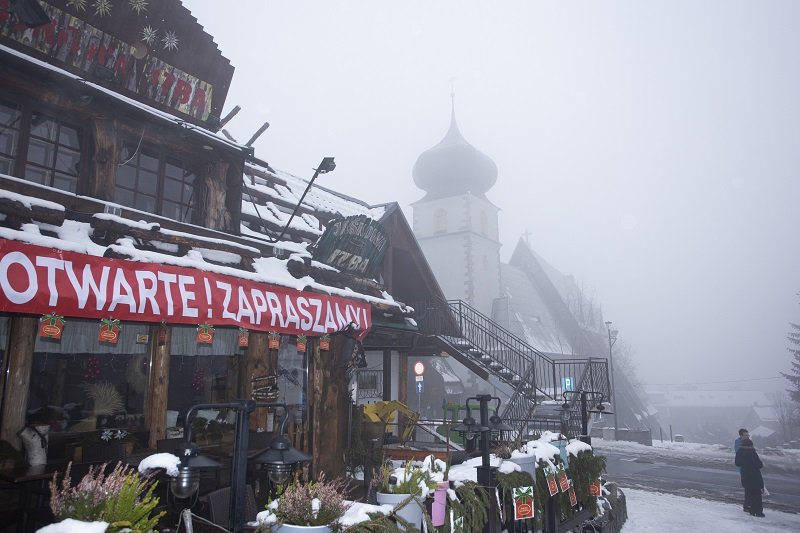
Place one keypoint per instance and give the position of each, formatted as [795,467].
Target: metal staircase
[538,381]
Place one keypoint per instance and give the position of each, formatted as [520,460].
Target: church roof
[454,167]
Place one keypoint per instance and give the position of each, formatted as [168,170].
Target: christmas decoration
[573,499]
[595,488]
[170,40]
[80,5]
[523,502]
[139,6]
[325,342]
[205,334]
[199,380]
[244,338]
[563,481]
[552,485]
[92,369]
[149,35]
[102,7]
[109,330]
[274,342]
[51,326]
[301,343]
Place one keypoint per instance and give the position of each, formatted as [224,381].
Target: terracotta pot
[412,512]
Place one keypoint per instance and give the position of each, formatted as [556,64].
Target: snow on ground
[654,512]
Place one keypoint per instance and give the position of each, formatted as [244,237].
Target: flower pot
[412,512]
[527,463]
[289,528]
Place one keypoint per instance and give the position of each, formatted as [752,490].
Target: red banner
[39,280]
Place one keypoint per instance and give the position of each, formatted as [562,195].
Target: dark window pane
[173,171]
[172,210]
[172,189]
[8,142]
[123,197]
[69,136]
[146,203]
[40,152]
[67,161]
[43,127]
[9,116]
[126,176]
[188,197]
[65,183]
[6,164]
[148,183]
[148,161]
[39,175]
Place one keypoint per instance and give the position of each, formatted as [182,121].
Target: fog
[650,148]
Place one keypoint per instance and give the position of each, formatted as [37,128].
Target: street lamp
[612,339]
[327,165]
[280,458]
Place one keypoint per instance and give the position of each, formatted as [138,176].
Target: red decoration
[244,338]
[563,482]
[325,342]
[51,326]
[552,485]
[109,330]
[523,502]
[573,499]
[595,489]
[301,343]
[92,369]
[205,334]
[274,340]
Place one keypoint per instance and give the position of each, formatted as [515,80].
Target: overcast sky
[651,148]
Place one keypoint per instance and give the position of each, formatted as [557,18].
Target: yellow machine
[386,411]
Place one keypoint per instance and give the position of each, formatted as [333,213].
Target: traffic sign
[420,387]
[419,368]
[418,378]
[567,383]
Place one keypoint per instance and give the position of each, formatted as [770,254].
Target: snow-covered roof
[715,398]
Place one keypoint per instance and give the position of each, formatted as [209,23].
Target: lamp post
[280,457]
[327,165]
[583,396]
[612,339]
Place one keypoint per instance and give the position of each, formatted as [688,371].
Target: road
[699,481]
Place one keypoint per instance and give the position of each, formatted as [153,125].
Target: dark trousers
[752,500]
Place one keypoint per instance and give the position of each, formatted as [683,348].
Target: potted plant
[314,507]
[405,489]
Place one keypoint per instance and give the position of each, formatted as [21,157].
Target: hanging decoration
[170,40]
[139,6]
[244,337]
[109,330]
[92,368]
[563,481]
[264,388]
[301,343]
[274,342]
[325,342]
[102,7]
[573,498]
[199,380]
[51,326]
[162,334]
[523,502]
[149,35]
[595,489]
[552,485]
[205,334]
[80,5]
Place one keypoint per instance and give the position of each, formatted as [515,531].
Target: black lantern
[280,459]
[186,483]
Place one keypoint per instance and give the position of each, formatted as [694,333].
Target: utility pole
[612,340]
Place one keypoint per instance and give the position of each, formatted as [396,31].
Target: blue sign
[419,387]
[567,384]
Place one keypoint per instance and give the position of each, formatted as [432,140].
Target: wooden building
[139,268]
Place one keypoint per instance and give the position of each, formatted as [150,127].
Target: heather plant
[316,503]
[123,498]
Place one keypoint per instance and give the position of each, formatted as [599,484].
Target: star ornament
[102,7]
[170,40]
[140,6]
[149,34]
[80,5]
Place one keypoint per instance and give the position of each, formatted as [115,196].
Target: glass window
[9,133]
[80,384]
[292,380]
[53,153]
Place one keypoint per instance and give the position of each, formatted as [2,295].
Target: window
[39,147]
[9,135]
[149,181]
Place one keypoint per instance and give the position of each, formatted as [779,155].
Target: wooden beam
[105,159]
[17,210]
[155,413]
[18,378]
[329,407]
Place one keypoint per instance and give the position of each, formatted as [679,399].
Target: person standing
[743,434]
[748,461]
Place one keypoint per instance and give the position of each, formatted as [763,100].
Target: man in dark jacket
[748,461]
[743,434]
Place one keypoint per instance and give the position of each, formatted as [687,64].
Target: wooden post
[257,363]
[20,362]
[387,374]
[158,387]
[212,211]
[402,378]
[329,407]
[105,159]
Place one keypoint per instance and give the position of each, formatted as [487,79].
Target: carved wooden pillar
[20,361]
[258,362]
[158,387]
[212,209]
[105,160]
[329,406]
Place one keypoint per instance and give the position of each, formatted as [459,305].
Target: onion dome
[454,167]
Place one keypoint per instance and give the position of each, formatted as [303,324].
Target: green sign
[354,245]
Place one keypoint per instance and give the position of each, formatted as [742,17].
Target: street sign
[419,368]
[419,387]
[419,378]
[567,383]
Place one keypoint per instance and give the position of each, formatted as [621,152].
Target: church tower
[455,224]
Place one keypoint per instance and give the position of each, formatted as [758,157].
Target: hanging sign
[325,342]
[552,485]
[109,331]
[523,502]
[563,481]
[301,343]
[205,334]
[51,326]
[36,280]
[354,245]
[244,338]
[595,489]
[573,499]
[274,340]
